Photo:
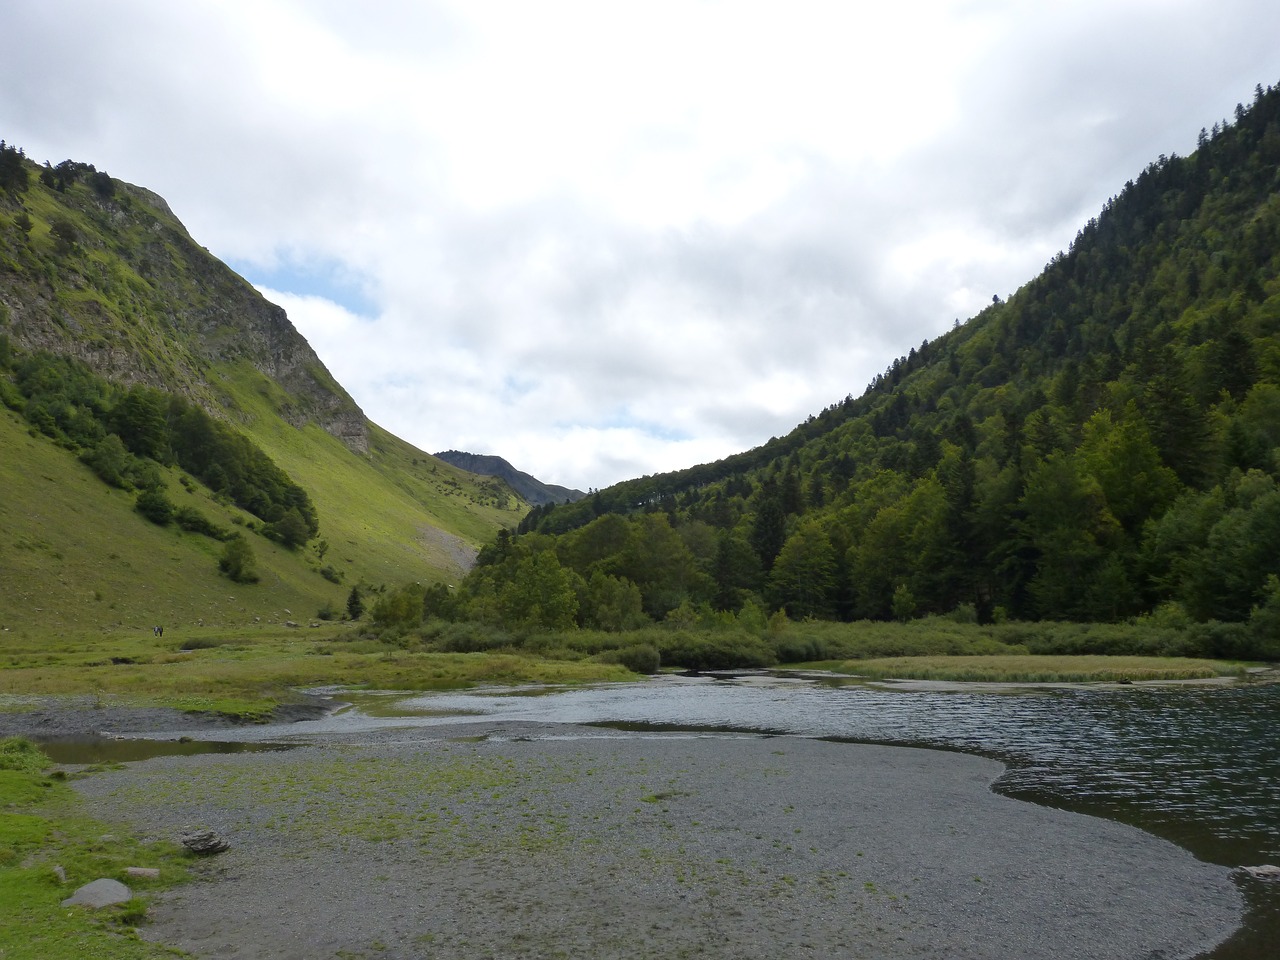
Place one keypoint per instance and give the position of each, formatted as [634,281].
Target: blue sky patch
[330,279]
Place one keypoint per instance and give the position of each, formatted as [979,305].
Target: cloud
[606,240]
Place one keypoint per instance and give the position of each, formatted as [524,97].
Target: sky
[608,239]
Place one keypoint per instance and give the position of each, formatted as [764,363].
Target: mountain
[1104,445]
[126,351]
[533,490]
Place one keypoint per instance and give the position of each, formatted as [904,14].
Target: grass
[79,558]
[40,830]
[247,673]
[386,533]
[1033,669]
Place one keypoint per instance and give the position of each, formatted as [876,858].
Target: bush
[291,530]
[640,658]
[238,561]
[714,651]
[110,461]
[18,753]
[403,608]
[466,637]
[155,506]
[189,518]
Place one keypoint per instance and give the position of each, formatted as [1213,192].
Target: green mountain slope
[1103,445]
[101,271]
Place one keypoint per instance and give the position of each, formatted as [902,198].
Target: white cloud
[605,239]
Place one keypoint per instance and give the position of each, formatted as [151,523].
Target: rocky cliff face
[108,274]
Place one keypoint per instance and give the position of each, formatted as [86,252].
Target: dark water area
[1199,766]
[90,750]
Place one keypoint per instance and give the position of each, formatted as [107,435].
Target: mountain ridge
[527,486]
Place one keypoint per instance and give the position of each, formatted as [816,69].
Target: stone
[60,873]
[204,842]
[99,893]
[1266,871]
[150,873]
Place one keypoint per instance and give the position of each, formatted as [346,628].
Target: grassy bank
[246,673]
[1031,668]
[41,832]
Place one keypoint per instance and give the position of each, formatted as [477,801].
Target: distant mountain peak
[531,489]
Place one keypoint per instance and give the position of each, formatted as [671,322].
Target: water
[76,750]
[1199,766]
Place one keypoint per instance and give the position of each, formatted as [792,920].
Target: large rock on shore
[98,894]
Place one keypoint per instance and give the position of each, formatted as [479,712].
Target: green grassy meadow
[42,831]
[76,558]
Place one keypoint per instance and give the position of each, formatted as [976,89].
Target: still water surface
[1199,766]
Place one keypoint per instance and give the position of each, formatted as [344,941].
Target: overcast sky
[606,239]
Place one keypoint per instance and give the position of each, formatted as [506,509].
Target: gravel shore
[513,840]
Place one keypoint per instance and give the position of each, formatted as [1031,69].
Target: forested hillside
[1102,445]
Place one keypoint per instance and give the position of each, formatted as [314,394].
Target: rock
[151,873]
[99,893]
[204,842]
[290,623]
[60,873]
[1265,872]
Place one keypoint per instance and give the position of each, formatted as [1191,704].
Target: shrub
[640,658]
[714,651]
[238,561]
[403,608]
[110,461]
[19,753]
[466,637]
[290,530]
[189,518]
[155,506]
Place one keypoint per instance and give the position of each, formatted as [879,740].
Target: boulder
[99,893]
[204,842]
[1266,871]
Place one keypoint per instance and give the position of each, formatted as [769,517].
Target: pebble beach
[495,839]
